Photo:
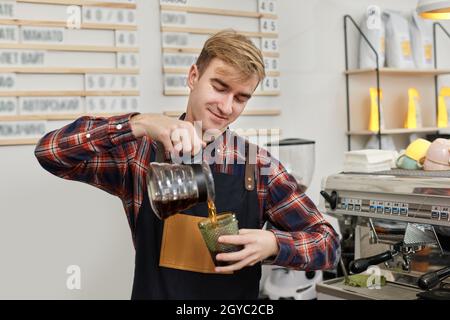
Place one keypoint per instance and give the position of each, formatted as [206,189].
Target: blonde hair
[235,50]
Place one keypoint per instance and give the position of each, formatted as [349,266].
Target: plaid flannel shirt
[103,152]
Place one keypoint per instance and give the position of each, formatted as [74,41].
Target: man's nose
[226,107]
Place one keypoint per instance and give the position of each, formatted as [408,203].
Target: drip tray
[336,289]
[436,294]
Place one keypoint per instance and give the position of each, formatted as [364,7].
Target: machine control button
[380,207]
[372,206]
[387,207]
[444,213]
[404,209]
[435,212]
[396,208]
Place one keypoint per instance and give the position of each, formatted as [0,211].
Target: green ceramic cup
[226,224]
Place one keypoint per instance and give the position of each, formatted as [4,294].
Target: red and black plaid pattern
[104,153]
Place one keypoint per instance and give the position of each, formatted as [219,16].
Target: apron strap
[249,170]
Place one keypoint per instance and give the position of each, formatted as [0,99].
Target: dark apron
[154,282]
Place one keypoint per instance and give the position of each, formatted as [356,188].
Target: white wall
[47,224]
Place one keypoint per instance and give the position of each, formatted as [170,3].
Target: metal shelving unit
[391,72]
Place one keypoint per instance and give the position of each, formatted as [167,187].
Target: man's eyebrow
[223,84]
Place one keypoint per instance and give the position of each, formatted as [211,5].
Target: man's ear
[193,76]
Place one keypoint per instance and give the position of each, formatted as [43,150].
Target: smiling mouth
[217,116]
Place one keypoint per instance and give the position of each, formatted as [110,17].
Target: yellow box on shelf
[374,121]
[414,116]
[442,108]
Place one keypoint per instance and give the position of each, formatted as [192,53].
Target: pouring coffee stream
[212,211]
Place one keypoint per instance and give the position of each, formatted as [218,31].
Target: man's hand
[176,135]
[258,245]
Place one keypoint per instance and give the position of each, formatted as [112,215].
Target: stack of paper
[369,160]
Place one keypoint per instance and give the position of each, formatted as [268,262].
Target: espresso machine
[395,223]
[298,157]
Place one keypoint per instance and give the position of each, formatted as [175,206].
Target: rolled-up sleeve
[95,150]
[305,239]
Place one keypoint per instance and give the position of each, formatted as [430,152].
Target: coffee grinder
[298,157]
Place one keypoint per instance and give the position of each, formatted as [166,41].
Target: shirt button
[119,127]
[88,135]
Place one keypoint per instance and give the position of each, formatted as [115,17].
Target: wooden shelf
[101,26]
[67,93]
[400,72]
[68,70]
[198,50]
[23,142]
[63,24]
[29,46]
[213,31]
[186,93]
[186,70]
[18,142]
[254,112]
[267,93]
[55,117]
[393,131]
[221,12]
[83,3]
[271,54]
[243,133]
[181,50]
[257,132]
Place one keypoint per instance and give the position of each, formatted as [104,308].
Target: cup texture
[226,224]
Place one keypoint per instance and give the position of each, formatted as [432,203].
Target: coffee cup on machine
[438,156]
[405,162]
[417,150]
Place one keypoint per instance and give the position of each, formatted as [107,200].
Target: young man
[114,153]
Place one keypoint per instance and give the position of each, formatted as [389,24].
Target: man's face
[219,96]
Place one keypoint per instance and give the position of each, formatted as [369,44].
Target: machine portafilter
[361,265]
[415,238]
[432,279]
